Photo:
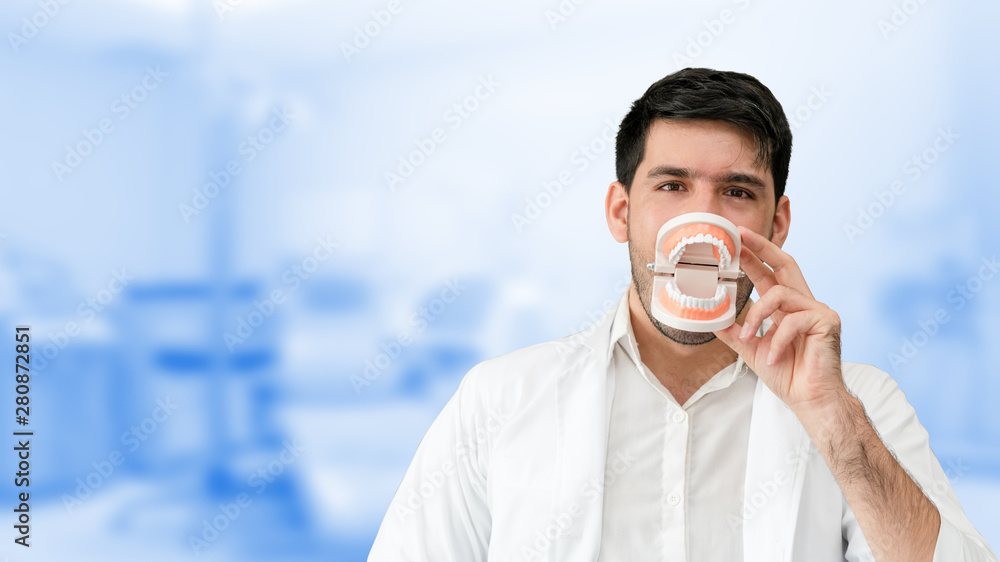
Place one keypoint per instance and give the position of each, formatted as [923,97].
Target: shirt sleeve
[440,512]
[896,422]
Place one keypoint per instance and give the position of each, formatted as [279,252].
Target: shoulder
[544,361]
[527,371]
[865,380]
[885,403]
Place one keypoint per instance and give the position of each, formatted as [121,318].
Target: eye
[739,193]
[671,186]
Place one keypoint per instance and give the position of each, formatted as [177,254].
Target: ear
[616,209]
[782,218]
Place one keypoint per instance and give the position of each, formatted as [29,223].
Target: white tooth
[699,238]
[701,303]
[720,295]
[724,253]
[675,254]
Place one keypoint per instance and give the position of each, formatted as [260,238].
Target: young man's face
[688,166]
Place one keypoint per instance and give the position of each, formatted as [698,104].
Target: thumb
[731,337]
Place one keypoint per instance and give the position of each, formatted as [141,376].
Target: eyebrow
[732,177]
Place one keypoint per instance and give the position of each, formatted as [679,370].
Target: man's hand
[799,356]
[799,360]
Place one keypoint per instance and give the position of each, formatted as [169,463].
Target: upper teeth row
[675,254]
[695,302]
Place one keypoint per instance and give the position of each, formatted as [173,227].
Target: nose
[705,199]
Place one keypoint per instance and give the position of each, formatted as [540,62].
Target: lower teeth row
[694,302]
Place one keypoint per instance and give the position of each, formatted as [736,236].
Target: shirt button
[674,499]
[679,416]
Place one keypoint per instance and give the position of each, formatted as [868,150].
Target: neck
[680,368]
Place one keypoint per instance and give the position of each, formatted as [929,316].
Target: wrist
[834,423]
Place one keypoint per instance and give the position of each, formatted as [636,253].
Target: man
[636,441]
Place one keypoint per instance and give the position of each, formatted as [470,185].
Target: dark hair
[703,93]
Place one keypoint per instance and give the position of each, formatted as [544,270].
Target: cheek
[753,221]
[645,231]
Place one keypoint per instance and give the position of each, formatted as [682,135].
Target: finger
[798,324]
[779,298]
[751,350]
[786,271]
[770,331]
[731,337]
[761,275]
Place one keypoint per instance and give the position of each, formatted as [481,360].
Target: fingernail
[745,332]
[770,358]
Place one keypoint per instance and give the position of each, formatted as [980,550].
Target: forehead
[702,145]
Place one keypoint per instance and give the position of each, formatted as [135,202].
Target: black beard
[643,278]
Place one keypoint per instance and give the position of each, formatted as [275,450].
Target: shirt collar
[621,331]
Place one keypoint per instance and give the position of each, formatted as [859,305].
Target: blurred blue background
[259,243]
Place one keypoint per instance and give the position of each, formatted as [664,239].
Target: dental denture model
[695,273]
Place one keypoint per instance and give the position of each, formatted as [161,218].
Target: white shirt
[517,465]
[680,494]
